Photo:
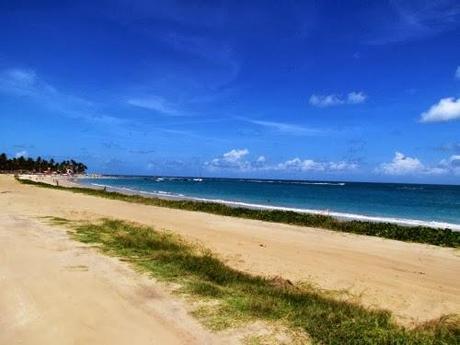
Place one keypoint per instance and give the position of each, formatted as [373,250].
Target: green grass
[420,234]
[244,297]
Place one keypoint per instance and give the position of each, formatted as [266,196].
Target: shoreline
[417,282]
[407,233]
[337,215]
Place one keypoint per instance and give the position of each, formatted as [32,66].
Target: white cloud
[342,166]
[154,103]
[235,155]
[261,159]
[356,97]
[457,73]
[259,163]
[447,109]
[237,159]
[297,164]
[323,101]
[21,154]
[401,165]
[234,159]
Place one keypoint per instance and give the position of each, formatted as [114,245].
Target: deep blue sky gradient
[169,87]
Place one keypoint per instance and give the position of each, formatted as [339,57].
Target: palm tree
[3,162]
[29,165]
[39,165]
[21,163]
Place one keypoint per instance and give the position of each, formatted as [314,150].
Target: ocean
[412,204]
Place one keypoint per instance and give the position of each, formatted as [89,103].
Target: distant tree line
[39,165]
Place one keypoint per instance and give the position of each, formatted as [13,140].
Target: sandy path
[417,282]
[55,291]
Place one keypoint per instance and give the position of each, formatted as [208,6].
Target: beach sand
[56,291]
[416,282]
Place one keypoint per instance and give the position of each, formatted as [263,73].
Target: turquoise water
[410,203]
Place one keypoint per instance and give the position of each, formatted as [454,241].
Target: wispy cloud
[449,147]
[213,55]
[411,20]
[155,103]
[212,15]
[23,82]
[457,73]
[215,51]
[286,128]
[323,101]
[142,151]
[166,164]
[27,83]
[23,146]
[447,109]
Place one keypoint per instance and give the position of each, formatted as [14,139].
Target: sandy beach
[54,291]
[231,172]
[416,282]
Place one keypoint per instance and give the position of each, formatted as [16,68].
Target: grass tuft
[419,234]
[241,297]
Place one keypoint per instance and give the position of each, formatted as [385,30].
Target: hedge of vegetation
[419,234]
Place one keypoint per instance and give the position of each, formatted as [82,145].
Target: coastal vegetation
[419,234]
[229,297]
[22,164]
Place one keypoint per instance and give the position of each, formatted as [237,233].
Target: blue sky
[334,90]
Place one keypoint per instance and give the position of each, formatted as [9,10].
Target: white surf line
[338,215]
